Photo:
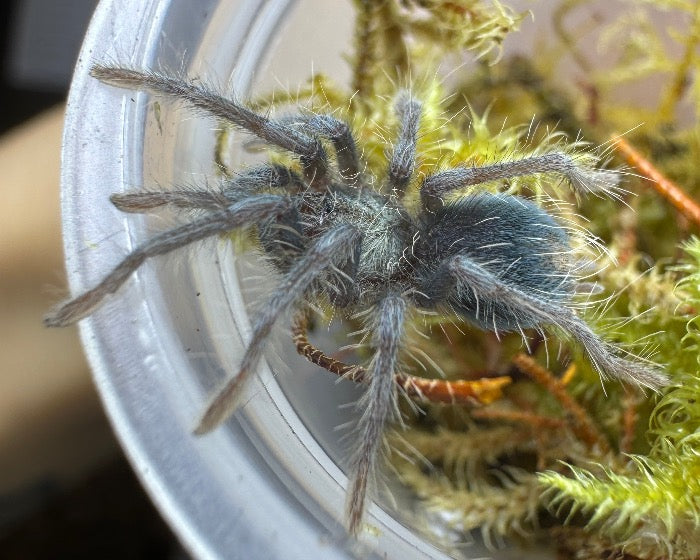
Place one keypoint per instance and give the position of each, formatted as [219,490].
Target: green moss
[625,477]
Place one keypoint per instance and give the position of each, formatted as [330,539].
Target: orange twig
[581,424]
[535,420]
[461,391]
[683,203]
[629,422]
[483,391]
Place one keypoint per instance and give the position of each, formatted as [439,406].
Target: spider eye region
[508,245]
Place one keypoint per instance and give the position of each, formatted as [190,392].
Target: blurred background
[66,490]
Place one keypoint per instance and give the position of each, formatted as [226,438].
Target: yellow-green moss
[637,489]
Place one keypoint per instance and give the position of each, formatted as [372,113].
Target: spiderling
[497,261]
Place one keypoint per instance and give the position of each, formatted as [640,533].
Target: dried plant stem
[581,424]
[683,203]
[379,40]
[568,39]
[626,238]
[629,421]
[365,49]
[682,79]
[395,50]
[464,392]
[535,420]
[220,149]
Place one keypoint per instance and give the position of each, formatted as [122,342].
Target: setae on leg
[403,158]
[584,179]
[335,246]
[245,213]
[251,182]
[379,404]
[343,142]
[309,149]
[528,309]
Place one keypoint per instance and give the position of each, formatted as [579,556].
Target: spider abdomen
[511,238]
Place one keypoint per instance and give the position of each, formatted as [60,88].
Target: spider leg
[584,179]
[282,238]
[308,148]
[343,288]
[335,131]
[191,199]
[246,212]
[334,246]
[530,309]
[251,182]
[436,288]
[403,158]
[339,134]
[379,404]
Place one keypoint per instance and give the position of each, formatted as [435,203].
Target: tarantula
[497,261]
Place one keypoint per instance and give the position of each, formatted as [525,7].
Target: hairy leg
[379,404]
[342,287]
[333,247]
[334,130]
[339,134]
[403,158]
[233,189]
[584,179]
[537,310]
[309,149]
[186,199]
[247,212]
